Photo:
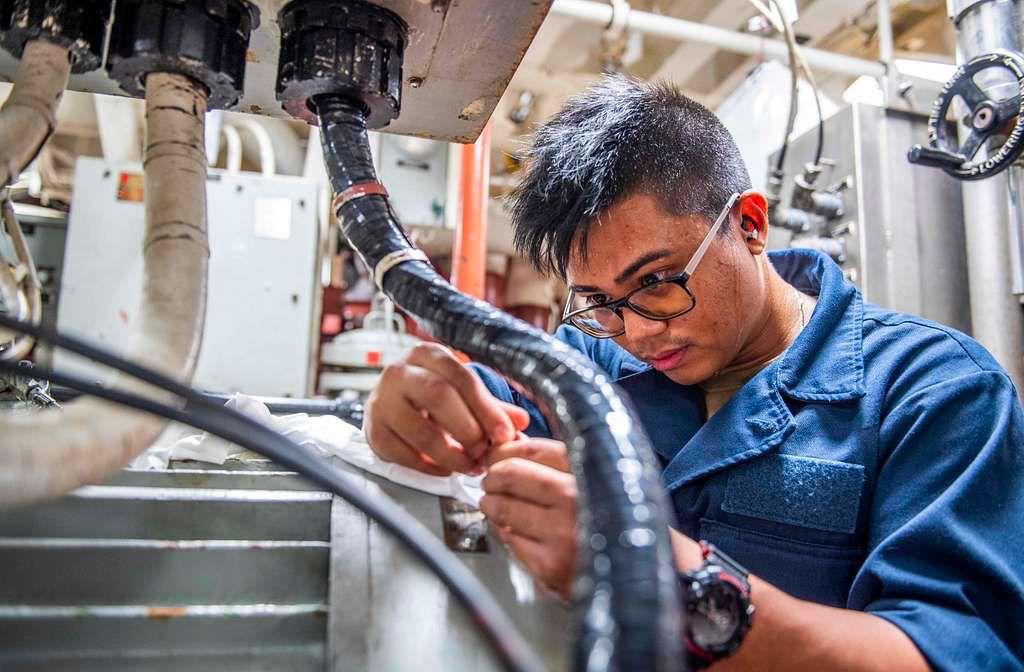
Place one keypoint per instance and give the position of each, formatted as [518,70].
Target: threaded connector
[346,47]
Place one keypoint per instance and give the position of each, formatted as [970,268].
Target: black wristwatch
[716,599]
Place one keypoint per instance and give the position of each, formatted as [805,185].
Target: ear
[754,221]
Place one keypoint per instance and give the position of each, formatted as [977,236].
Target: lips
[669,359]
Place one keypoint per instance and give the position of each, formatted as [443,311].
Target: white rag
[327,433]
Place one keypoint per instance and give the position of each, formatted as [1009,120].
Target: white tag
[273,218]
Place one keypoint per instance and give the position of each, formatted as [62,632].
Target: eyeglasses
[660,300]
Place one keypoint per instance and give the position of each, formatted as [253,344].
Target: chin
[691,374]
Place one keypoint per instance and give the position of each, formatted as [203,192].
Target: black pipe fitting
[80,27]
[205,40]
[346,47]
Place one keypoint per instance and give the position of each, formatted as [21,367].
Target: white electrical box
[262,318]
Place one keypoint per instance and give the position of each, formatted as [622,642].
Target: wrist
[686,552]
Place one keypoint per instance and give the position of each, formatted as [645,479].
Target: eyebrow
[628,271]
[640,263]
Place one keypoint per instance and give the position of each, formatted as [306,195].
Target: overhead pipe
[680,30]
[52,452]
[29,116]
[469,254]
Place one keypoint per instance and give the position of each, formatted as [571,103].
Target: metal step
[175,513]
[252,637]
[184,568]
[144,572]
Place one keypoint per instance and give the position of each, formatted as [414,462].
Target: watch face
[718,614]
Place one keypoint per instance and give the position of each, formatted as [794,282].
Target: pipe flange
[79,27]
[205,40]
[346,47]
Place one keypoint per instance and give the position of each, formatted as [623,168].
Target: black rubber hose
[343,409]
[625,599]
[202,413]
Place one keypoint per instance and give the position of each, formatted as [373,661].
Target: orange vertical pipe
[469,256]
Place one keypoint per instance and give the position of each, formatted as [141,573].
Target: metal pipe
[234,149]
[29,284]
[52,452]
[30,114]
[469,254]
[993,207]
[886,51]
[680,30]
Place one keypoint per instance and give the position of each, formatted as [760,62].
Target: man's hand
[431,413]
[531,500]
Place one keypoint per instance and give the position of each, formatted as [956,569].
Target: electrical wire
[797,64]
[224,422]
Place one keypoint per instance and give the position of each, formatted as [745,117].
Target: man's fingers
[517,415]
[428,391]
[529,481]
[527,519]
[536,557]
[427,438]
[491,415]
[391,448]
[548,452]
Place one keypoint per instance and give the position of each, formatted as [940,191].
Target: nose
[639,327]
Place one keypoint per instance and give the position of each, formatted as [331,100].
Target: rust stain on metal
[476,109]
[162,613]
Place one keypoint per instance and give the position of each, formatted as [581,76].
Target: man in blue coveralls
[863,468]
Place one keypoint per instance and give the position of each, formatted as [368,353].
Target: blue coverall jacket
[878,465]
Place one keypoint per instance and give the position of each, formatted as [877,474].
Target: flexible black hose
[348,410]
[625,600]
[247,432]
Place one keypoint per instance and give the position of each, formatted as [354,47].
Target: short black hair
[616,139]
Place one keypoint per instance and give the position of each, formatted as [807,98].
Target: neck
[776,328]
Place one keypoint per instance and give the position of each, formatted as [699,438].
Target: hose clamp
[393,259]
[358,191]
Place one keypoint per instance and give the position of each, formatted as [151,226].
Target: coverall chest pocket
[793,521]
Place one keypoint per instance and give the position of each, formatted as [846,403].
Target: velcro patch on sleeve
[797,490]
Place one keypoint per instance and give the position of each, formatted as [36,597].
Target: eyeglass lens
[659,301]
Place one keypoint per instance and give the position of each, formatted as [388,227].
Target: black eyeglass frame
[681,280]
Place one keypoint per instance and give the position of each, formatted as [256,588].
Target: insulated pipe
[30,283]
[30,114]
[680,30]
[626,597]
[52,452]
[469,256]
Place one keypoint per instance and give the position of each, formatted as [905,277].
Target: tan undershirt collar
[720,388]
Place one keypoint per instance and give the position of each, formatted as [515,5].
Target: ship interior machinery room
[522,335]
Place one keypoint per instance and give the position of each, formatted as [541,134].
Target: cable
[797,63]
[233,426]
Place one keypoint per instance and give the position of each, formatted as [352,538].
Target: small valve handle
[987,119]
[935,158]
